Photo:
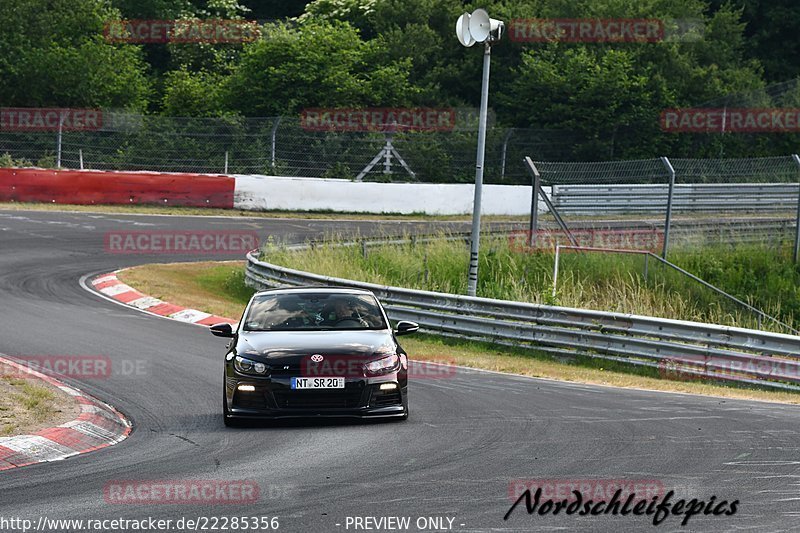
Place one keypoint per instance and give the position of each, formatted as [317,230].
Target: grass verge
[219,288]
[28,405]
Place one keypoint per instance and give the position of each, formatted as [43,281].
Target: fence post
[503,158]
[533,227]
[553,211]
[274,135]
[226,163]
[670,195]
[80,157]
[555,270]
[58,140]
[797,220]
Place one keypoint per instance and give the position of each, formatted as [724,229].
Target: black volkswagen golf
[312,351]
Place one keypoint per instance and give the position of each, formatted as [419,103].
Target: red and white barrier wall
[310,194]
[258,193]
[98,187]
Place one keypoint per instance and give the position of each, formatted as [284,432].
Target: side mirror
[404,327]
[222,330]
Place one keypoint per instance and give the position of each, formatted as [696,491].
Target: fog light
[388,386]
[246,388]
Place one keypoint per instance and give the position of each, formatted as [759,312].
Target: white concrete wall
[309,194]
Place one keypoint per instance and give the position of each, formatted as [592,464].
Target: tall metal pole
[670,196]
[797,220]
[472,282]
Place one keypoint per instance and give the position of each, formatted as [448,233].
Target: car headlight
[248,366]
[383,365]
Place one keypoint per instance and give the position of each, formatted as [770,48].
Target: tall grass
[761,275]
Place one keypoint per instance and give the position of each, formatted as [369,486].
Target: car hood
[277,346]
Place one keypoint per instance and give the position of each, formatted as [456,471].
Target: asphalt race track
[468,437]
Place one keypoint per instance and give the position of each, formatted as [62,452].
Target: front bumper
[274,398]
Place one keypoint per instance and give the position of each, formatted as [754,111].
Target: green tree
[54,54]
[593,93]
[316,64]
[193,94]
[771,34]
[210,57]
[612,94]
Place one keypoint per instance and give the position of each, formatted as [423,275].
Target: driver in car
[344,313]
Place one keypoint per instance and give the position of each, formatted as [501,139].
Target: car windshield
[314,311]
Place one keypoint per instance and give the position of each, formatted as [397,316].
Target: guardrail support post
[797,220]
[670,195]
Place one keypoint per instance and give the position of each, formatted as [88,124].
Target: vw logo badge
[316,358]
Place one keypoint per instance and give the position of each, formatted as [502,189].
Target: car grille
[279,371]
[312,399]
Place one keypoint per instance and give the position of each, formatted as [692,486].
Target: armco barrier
[690,349]
[619,199]
[99,187]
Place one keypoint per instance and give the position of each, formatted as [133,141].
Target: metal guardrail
[616,199]
[740,229]
[690,349]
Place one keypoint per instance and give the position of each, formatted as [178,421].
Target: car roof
[312,288]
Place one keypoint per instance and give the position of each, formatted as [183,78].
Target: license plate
[317,383]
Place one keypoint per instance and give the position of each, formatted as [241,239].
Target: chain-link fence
[673,201]
[281,146]
[725,220]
